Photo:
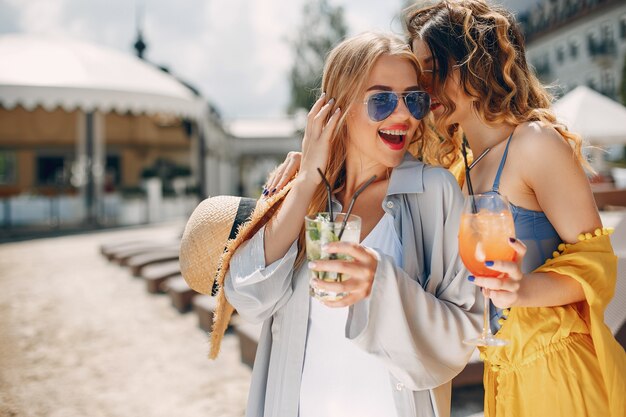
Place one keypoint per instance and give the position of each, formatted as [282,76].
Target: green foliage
[322,27]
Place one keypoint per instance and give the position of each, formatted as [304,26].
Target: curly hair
[486,44]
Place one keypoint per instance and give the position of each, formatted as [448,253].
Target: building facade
[577,42]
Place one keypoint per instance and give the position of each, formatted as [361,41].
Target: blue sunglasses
[382,104]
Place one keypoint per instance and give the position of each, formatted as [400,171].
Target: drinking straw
[481,156]
[356,194]
[328,192]
[468,180]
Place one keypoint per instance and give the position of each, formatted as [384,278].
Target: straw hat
[213,233]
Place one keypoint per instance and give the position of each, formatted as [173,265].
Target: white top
[338,378]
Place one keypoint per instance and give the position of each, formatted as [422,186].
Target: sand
[79,336]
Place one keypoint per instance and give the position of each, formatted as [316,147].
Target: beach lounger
[138,262]
[472,374]
[121,256]
[107,248]
[204,306]
[248,335]
[156,274]
[613,199]
[179,292]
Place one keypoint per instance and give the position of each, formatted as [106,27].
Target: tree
[322,27]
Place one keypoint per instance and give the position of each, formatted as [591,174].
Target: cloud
[8,17]
[235,51]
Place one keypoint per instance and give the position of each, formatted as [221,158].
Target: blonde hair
[486,44]
[346,72]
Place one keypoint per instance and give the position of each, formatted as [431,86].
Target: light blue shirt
[414,320]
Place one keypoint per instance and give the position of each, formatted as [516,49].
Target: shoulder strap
[496,181]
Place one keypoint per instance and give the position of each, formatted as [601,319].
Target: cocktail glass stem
[486,322]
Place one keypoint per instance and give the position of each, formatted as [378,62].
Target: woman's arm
[285,226]
[416,330]
[562,191]
[256,291]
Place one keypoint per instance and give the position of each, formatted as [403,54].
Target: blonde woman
[392,345]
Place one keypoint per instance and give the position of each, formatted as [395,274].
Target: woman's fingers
[346,301]
[316,142]
[520,248]
[360,270]
[350,268]
[281,175]
[502,299]
[358,252]
[354,290]
[272,180]
[347,285]
[511,269]
[329,127]
[498,284]
[290,170]
[317,119]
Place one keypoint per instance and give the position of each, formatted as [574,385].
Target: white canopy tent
[597,118]
[58,72]
[53,72]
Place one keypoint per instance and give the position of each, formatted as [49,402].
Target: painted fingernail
[311,265]
[331,101]
[471,278]
[265,191]
[274,190]
[489,263]
[512,240]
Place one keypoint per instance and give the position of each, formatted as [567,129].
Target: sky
[236,52]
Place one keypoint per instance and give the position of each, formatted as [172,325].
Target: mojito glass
[321,230]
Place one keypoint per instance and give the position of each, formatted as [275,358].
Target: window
[8,167]
[50,169]
[112,173]
[607,31]
[608,87]
[573,48]
[560,54]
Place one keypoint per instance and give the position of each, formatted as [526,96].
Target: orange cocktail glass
[486,226]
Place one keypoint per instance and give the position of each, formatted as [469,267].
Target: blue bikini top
[531,227]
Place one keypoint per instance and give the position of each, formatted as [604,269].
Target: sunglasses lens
[418,103]
[381,105]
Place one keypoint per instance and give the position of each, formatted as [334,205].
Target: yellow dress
[561,361]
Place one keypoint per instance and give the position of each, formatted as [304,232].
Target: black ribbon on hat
[244,211]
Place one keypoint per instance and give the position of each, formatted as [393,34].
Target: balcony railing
[542,19]
[601,48]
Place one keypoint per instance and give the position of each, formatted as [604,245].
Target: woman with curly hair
[561,360]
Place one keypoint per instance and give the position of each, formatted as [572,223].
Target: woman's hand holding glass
[486,227]
[504,289]
[361,270]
